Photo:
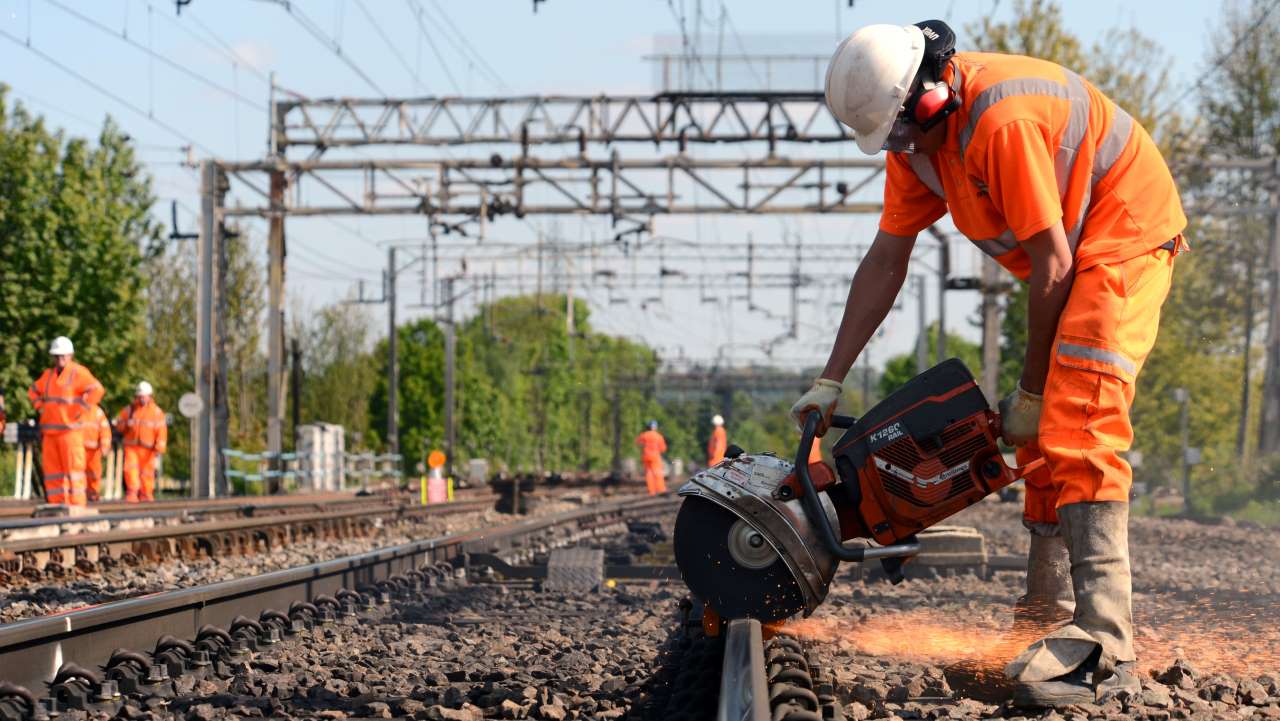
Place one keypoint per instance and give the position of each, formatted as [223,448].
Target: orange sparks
[1214,637]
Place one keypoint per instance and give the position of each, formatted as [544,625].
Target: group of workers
[652,445]
[75,433]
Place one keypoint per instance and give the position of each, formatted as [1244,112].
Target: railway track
[38,558]
[206,508]
[36,549]
[99,658]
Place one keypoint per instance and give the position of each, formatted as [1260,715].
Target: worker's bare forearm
[871,295]
[1052,274]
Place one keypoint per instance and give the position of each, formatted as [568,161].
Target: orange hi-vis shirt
[717,446]
[652,446]
[96,430]
[63,399]
[143,426]
[1033,144]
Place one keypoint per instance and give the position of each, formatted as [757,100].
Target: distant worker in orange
[652,446]
[145,434]
[63,395]
[719,441]
[96,431]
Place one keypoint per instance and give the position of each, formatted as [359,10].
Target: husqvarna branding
[885,436]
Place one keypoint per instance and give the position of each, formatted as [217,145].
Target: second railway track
[232,619]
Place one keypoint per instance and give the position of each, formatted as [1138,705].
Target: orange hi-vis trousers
[139,474]
[653,477]
[93,472]
[1105,332]
[62,457]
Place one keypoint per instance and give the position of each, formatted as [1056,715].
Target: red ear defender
[932,106]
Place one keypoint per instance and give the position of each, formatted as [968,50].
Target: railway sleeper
[799,690]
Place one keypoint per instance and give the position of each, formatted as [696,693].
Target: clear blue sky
[568,46]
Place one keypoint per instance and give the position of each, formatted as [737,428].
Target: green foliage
[76,226]
[528,395]
[167,358]
[902,368]
[339,372]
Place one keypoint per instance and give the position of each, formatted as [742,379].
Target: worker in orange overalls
[146,435]
[719,442]
[96,431]
[1068,192]
[652,446]
[62,395]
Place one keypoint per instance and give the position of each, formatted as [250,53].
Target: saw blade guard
[746,487]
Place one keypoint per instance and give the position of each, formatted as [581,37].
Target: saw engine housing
[921,455]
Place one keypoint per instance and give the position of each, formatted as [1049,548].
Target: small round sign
[435,459]
[190,405]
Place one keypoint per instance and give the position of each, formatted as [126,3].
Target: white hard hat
[143,389]
[717,420]
[61,346]
[869,77]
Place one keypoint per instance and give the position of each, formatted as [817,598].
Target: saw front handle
[813,505]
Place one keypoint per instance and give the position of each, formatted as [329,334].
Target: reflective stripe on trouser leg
[1105,332]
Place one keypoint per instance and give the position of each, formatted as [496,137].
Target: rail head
[744,687]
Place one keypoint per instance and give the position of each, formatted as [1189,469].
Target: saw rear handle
[813,505]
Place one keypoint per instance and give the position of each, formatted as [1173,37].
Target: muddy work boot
[1049,600]
[1092,657]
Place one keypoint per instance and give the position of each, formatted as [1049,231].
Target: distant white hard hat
[869,77]
[61,346]
[717,420]
[143,389]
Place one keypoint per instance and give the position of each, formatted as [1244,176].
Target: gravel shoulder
[1206,606]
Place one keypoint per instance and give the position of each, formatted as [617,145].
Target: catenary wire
[102,90]
[377,27]
[230,92]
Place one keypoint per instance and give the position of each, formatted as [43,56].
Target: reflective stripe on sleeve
[996,247]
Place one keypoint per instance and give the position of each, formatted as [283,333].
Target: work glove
[822,398]
[1020,417]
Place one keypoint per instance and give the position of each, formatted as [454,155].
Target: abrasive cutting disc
[737,583]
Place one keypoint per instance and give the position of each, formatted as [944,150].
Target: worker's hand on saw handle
[821,398]
[1020,417]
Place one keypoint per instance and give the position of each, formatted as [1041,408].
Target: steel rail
[34,556]
[242,505]
[74,540]
[191,515]
[32,650]
[744,685]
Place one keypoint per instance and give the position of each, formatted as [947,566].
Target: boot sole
[1038,696]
